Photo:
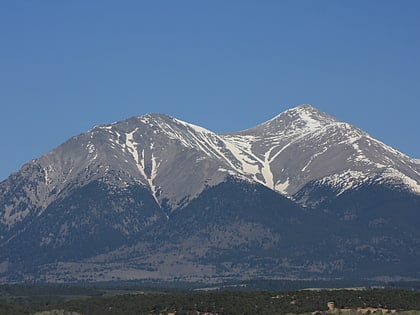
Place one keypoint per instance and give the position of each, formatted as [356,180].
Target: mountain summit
[303,144]
[158,186]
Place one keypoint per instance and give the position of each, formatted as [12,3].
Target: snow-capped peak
[304,144]
[176,160]
[293,122]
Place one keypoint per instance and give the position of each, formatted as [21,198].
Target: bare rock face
[130,195]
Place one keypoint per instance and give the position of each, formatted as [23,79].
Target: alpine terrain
[302,195]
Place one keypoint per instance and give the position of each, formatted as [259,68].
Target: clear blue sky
[66,66]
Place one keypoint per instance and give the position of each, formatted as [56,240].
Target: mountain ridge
[230,153]
[151,188]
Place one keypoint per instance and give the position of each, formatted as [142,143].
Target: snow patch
[282,187]
[92,150]
[131,145]
[224,170]
[266,169]
[105,127]
[324,149]
[346,180]
[152,177]
[394,174]
[306,117]
[241,152]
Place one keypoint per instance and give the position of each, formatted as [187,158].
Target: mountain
[303,144]
[301,195]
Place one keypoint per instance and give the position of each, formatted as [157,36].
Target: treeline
[223,302]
